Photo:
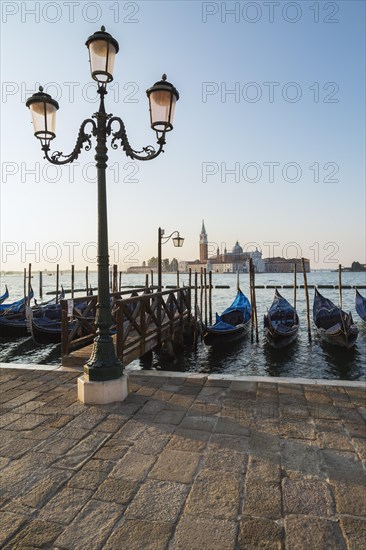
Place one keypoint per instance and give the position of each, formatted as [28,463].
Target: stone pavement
[185,463]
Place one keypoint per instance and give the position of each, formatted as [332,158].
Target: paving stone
[137,534]
[170,417]
[297,430]
[134,465]
[46,488]
[260,533]
[130,431]
[177,466]
[307,497]
[233,442]
[158,501]
[342,464]
[36,534]
[300,459]
[214,496]
[91,527]
[82,451]
[116,490]
[64,506]
[356,429]
[335,440]
[87,479]
[350,497]
[263,442]
[188,440]
[354,530]
[360,447]
[264,468]
[153,439]
[198,423]
[112,451]
[303,533]
[262,499]
[10,524]
[230,427]
[195,534]
[17,448]
[220,458]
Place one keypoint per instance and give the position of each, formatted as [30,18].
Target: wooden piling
[120,281]
[41,285]
[201,292]
[306,297]
[25,283]
[57,281]
[177,278]
[190,294]
[295,284]
[29,282]
[152,277]
[251,301]
[195,293]
[255,306]
[147,280]
[205,291]
[87,279]
[340,284]
[72,280]
[210,296]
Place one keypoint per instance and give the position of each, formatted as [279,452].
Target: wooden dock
[144,320]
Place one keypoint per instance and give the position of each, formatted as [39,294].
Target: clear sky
[268,143]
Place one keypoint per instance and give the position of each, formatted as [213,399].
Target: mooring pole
[72,280]
[340,284]
[40,285]
[210,296]
[57,281]
[29,282]
[306,297]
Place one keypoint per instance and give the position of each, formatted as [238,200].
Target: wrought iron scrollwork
[83,137]
[147,153]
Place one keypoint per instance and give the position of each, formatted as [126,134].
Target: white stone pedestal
[101,393]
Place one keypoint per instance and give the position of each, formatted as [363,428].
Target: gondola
[47,331]
[361,305]
[334,326]
[14,322]
[16,307]
[231,325]
[5,296]
[281,324]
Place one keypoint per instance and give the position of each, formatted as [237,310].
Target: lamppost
[177,242]
[103,364]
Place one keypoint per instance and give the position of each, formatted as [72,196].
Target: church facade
[227,262]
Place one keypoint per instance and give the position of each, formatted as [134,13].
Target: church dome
[237,249]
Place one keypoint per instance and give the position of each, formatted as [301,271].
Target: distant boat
[334,326]
[5,296]
[232,324]
[361,305]
[281,324]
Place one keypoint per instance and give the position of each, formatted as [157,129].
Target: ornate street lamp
[177,242]
[103,364]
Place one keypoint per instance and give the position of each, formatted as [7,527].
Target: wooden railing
[139,314]
[138,318]
[82,332]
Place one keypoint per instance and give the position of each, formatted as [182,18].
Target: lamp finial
[40,88]
[163,77]
[102,28]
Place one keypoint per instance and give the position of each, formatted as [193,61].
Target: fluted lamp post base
[102,393]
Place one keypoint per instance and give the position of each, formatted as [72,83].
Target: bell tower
[203,244]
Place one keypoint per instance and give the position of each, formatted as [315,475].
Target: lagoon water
[303,359]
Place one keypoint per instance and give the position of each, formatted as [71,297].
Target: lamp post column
[103,364]
[159,260]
